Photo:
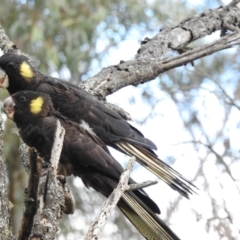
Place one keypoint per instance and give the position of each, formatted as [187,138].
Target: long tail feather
[170,176]
[147,223]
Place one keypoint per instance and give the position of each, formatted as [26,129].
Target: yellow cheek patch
[36,105]
[26,71]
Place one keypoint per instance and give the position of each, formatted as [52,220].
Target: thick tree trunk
[5,219]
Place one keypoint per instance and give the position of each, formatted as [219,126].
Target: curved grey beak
[8,107]
[4,82]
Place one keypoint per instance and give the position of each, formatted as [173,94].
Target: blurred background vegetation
[73,40]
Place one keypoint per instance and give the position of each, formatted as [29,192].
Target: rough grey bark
[152,57]
[24,155]
[31,198]
[5,219]
[189,30]
[53,198]
[51,195]
[143,70]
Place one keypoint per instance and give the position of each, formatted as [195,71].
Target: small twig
[108,206]
[31,200]
[137,186]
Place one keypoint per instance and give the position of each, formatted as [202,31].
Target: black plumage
[83,155]
[17,73]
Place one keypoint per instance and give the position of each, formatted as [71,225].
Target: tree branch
[57,147]
[51,195]
[189,30]
[108,206]
[143,70]
[147,64]
[136,186]
[31,199]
